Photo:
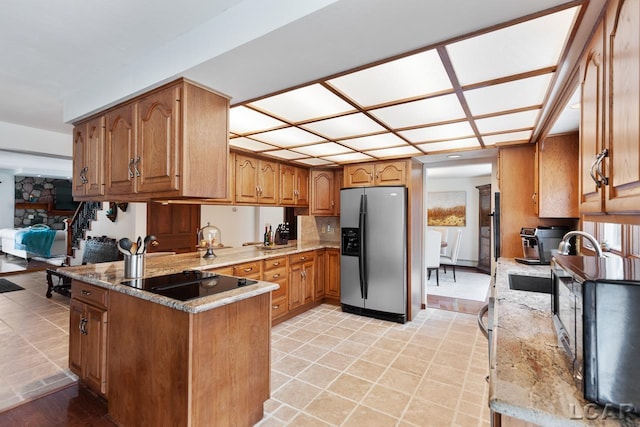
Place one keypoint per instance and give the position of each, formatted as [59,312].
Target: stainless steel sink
[521,282]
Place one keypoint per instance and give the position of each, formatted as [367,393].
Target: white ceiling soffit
[492,92]
[22,164]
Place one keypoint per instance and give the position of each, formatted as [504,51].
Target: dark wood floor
[71,406]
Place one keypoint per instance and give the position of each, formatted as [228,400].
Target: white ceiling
[65,59]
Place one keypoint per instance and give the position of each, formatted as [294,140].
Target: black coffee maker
[538,242]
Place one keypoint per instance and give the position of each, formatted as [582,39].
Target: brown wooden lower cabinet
[169,367]
[88,335]
[332,276]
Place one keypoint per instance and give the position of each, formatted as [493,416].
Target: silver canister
[133,266]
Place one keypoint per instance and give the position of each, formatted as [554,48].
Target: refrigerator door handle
[362,259]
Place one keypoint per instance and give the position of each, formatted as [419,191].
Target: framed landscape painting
[447,208]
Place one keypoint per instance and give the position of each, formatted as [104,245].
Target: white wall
[7,199]
[23,138]
[240,224]
[469,244]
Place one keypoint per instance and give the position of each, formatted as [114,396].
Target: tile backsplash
[324,228]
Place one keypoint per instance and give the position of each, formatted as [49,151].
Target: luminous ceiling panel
[245,120]
[288,137]
[383,140]
[314,161]
[408,77]
[250,144]
[507,122]
[306,103]
[407,150]
[323,150]
[508,96]
[450,145]
[349,157]
[438,133]
[506,137]
[432,110]
[344,126]
[523,47]
[286,154]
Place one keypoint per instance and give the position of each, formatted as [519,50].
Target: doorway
[175,226]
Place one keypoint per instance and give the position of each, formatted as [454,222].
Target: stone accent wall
[36,190]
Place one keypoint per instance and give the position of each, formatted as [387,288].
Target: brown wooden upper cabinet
[610,129]
[88,154]
[378,173]
[170,142]
[256,180]
[325,192]
[294,186]
[556,182]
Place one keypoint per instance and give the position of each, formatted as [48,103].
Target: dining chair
[452,259]
[432,254]
[445,238]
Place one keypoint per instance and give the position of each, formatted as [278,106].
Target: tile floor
[328,368]
[34,335]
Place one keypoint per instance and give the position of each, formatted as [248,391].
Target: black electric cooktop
[189,284]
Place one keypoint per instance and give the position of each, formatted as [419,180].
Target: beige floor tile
[350,348]
[303,335]
[285,413]
[278,379]
[335,360]
[443,394]
[365,416]
[326,341]
[286,345]
[363,338]
[424,413]
[297,393]
[330,407]
[339,332]
[379,356]
[464,420]
[389,344]
[399,380]
[446,374]
[350,387]
[366,370]
[309,352]
[290,365]
[307,421]
[318,375]
[386,400]
[270,422]
[453,360]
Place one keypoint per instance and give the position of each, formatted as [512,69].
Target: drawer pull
[275,307]
[276,263]
[246,270]
[275,276]
[302,258]
[86,293]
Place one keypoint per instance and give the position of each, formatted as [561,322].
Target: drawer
[274,263]
[225,271]
[248,269]
[275,275]
[302,257]
[278,307]
[90,294]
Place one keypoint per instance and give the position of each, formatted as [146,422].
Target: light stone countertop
[530,377]
[109,274]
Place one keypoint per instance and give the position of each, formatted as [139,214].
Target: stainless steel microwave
[596,307]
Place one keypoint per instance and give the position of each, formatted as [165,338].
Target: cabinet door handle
[257,190]
[534,196]
[333,203]
[135,166]
[131,160]
[377,175]
[83,175]
[83,323]
[596,169]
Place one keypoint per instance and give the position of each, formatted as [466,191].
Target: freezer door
[386,249]
[350,285]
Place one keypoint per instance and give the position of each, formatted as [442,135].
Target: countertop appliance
[538,242]
[597,320]
[373,269]
[188,284]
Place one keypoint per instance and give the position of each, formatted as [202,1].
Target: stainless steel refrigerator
[373,269]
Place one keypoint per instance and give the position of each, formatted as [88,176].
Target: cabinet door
[332,280]
[267,182]
[246,179]
[79,161]
[308,281]
[557,178]
[158,145]
[322,193]
[358,175]
[95,348]
[622,193]
[302,187]
[391,173]
[320,277]
[338,182]
[591,121]
[120,151]
[76,325]
[287,185]
[94,158]
[296,293]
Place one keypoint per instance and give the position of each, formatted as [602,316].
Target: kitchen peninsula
[172,362]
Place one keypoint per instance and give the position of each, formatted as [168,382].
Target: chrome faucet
[565,245]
